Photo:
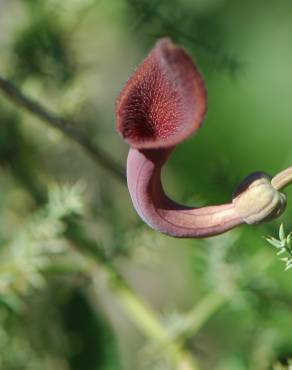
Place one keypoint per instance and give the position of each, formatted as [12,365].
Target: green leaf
[275,242]
[281,232]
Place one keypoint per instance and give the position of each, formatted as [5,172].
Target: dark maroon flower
[161,105]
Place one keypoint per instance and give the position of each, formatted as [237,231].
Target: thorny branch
[63,125]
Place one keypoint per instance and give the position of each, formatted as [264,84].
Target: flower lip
[164,102]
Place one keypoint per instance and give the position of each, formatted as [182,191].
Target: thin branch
[198,315]
[63,125]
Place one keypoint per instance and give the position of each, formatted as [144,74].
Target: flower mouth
[165,100]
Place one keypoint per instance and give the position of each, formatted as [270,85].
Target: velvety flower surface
[164,101]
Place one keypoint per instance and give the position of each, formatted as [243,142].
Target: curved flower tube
[161,105]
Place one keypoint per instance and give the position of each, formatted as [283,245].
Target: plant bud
[256,200]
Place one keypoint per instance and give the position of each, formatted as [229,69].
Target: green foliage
[38,242]
[27,263]
[84,285]
[283,246]
[41,51]
[168,18]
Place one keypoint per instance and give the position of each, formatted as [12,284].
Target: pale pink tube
[160,212]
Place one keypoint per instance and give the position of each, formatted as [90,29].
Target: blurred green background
[84,284]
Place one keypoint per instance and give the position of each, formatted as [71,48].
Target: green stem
[200,314]
[194,320]
[150,325]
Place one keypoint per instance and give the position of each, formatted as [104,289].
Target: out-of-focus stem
[150,325]
[197,317]
[14,94]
